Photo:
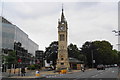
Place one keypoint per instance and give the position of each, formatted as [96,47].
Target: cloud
[61,0]
[87,21]
[93,23]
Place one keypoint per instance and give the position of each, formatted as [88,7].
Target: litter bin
[37,74]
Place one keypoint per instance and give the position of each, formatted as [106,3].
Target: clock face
[62,28]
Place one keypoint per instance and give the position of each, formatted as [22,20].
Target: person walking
[23,71]
[82,68]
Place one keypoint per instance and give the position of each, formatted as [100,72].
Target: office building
[11,34]
[15,39]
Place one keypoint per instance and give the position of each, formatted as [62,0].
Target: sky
[87,21]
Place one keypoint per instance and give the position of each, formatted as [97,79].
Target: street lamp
[92,57]
[118,34]
[93,61]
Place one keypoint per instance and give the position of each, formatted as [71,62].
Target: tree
[83,58]
[118,53]
[100,50]
[51,53]
[10,59]
[73,51]
[86,50]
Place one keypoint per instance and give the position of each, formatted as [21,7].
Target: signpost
[19,62]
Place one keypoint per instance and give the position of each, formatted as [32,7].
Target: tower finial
[62,16]
[62,7]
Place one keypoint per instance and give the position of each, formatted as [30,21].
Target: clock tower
[62,60]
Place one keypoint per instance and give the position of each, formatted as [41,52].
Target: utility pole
[92,57]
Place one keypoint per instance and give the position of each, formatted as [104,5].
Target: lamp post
[118,34]
[93,61]
[19,62]
[92,57]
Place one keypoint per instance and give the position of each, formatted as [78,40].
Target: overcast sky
[87,21]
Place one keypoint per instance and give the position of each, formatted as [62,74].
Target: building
[12,34]
[39,55]
[75,64]
[24,58]
[62,61]
[13,38]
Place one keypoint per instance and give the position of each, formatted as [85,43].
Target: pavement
[31,74]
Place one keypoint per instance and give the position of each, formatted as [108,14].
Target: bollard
[37,74]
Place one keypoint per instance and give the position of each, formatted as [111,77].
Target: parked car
[107,66]
[115,65]
[100,67]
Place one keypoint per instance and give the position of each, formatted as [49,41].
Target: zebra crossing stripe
[50,76]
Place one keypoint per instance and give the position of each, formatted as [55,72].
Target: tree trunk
[14,68]
[10,71]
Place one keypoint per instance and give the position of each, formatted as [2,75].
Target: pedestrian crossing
[54,76]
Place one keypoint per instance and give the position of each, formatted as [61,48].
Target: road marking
[94,76]
[101,73]
[113,71]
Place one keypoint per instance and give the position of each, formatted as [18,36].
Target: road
[91,73]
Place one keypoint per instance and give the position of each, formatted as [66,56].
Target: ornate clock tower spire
[62,61]
[62,16]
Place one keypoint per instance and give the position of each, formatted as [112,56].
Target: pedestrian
[23,71]
[82,68]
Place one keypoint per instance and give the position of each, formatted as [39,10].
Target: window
[62,37]
[62,63]
[61,58]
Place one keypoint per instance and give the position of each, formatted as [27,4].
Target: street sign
[93,61]
[19,60]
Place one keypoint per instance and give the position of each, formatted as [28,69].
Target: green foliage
[119,57]
[73,51]
[33,67]
[51,52]
[11,58]
[82,57]
[102,52]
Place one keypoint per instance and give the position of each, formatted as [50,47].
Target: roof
[5,20]
[74,60]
